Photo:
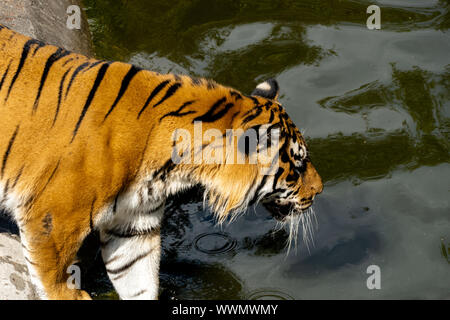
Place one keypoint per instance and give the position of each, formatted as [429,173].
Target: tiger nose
[317,187]
[315,181]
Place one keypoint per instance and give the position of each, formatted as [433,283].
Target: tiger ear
[268,89]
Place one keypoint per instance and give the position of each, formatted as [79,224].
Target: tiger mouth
[306,204]
[281,211]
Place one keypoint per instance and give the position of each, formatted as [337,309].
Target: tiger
[88,145]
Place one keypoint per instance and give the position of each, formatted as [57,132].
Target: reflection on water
[346,252]
[268,294]
[190,279]
[375,108]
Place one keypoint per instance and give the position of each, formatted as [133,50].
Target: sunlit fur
[87,145]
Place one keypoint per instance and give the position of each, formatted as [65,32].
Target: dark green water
[375,108]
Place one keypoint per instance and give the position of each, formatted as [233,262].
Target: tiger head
[282,178]
[295,183]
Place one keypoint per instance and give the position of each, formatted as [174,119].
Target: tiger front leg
[131,253]
[50,245]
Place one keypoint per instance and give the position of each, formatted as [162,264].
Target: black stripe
[41,44]
[178,113]
[47,224]
[67,61]
[8,150]
[251,111]
[272,115]
[234,116]
[277,176]
[210,116]
[222,112]
[252,116]
[61,86]
[25,52]
[119,234]
[137,294]
[115,203]
[145,147]
[275,191]
[235,94]
[268,104]
[34,199]
[258,190]
[268,133]
[91,221]
[129,264]
[285,157]
[170,92]
[255,101]
[130,233]
[118,276]
[29,202]
[293,176]
[115,258]
[4,75]
[125,83]
[211,110]
[155,91]
[30,262]
[164,170]
[52,175]
[60,53]
[116,198]
[75,73]
[23,246]
[17,177]
[100,75]
[5,191]
[93,65]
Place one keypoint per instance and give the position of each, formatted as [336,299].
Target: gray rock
[14,278]
[44,20]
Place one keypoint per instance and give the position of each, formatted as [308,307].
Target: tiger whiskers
[307,225]
[308,221]
[294,221]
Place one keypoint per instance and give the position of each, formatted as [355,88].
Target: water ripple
[269,294]
[214,243]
